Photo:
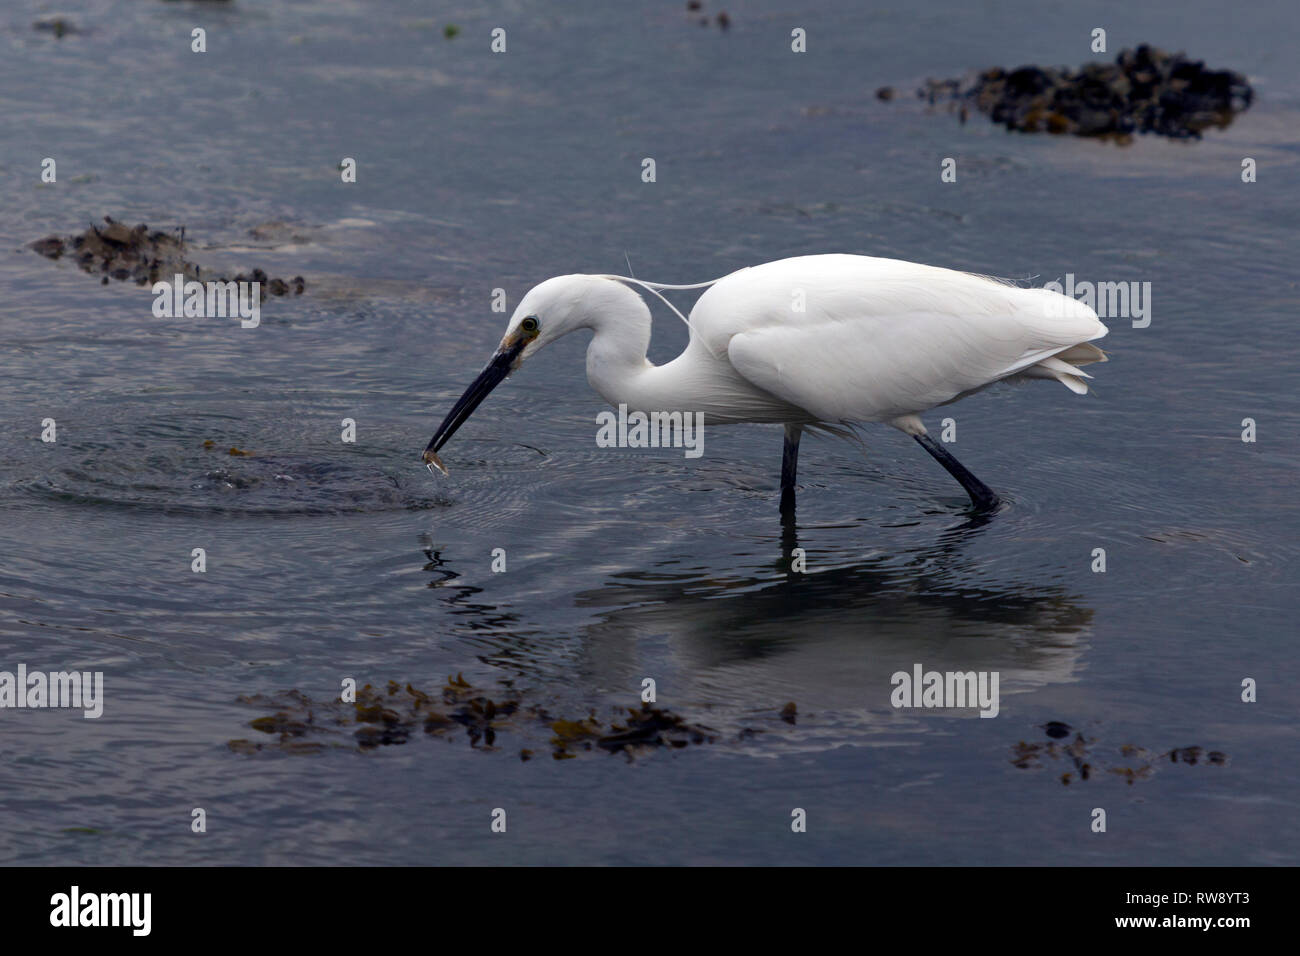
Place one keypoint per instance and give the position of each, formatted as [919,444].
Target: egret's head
[549,310]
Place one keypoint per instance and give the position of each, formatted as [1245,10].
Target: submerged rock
[1145,90]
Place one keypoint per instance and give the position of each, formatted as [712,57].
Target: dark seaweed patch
[642,728]
[397,714]
[59,26]
[145,256]
[1145,90]
[1137,763]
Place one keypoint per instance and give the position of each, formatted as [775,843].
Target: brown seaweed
[398,713]
[1081,753]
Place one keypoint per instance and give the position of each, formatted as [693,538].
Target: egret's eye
[529,325]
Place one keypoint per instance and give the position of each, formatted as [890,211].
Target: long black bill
[492,375]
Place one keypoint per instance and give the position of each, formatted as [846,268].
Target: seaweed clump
[378,717]
[397,713]
[145,256]
[1145,90]
[1139,763]
[642,728]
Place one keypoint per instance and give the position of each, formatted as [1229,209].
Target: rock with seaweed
[144,256]
[1146,90]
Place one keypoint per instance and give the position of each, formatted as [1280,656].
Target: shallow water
[477,171]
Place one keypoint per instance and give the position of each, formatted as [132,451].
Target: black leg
[789,465]
[980,493]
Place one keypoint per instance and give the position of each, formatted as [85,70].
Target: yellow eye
[529,325]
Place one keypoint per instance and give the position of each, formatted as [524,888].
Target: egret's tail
[1085,353]
[1064,366]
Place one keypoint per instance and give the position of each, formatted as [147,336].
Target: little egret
[816,342]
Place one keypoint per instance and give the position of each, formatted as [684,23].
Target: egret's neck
[617,366]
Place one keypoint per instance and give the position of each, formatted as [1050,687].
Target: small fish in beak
[431,458]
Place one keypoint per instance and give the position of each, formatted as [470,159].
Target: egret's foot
[981,495]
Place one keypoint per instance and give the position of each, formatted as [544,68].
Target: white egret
[820,342]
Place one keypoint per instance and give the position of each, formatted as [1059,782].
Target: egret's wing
[854,338]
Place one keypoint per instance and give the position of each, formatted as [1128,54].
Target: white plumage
[814,341]
[881,339]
